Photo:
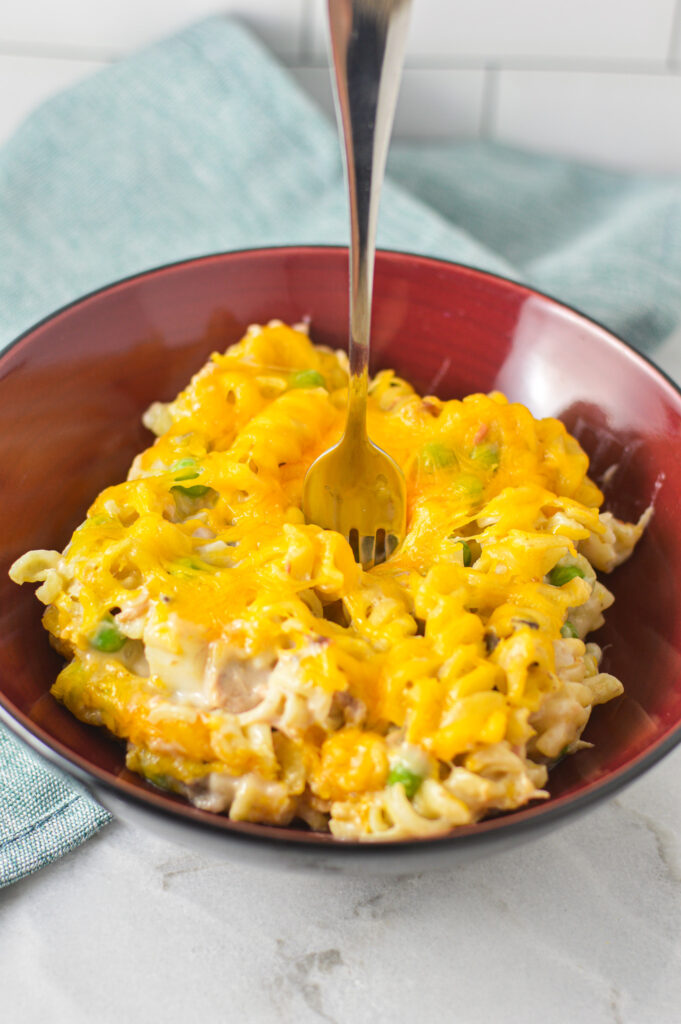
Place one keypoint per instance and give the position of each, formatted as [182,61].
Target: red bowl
[72,390]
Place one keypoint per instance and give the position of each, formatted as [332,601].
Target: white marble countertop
[584,925]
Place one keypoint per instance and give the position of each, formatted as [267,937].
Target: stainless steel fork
[355,487]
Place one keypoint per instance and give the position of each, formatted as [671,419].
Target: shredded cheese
[252,665]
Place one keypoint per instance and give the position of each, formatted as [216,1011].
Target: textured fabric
[607,243]
[41,816]
[203,143]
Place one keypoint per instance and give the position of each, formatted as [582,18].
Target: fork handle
[367,45]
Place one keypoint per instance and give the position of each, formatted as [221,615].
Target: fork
[355,487]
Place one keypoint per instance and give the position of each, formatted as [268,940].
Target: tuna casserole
[252,666]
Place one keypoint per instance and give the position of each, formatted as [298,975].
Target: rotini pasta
[251,665]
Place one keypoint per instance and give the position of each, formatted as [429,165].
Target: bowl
[72,390]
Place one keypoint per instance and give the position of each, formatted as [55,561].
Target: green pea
[196,491]
[486,455]
[409,779]
[568,630]
[107,636]
[562,574]
[437,456]
[306,379]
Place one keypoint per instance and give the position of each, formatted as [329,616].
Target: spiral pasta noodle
[250,664]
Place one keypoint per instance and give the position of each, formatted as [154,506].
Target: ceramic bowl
[72,390]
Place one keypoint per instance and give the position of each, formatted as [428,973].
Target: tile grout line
[577,65]
[306,32]
[673,58]
[52,51]
[305,58]
[490,101]
[655,69]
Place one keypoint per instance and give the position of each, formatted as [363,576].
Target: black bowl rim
[522,822]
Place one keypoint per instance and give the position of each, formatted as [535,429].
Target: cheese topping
[252,665]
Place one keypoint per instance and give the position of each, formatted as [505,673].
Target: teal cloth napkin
[203,143]
[42,817]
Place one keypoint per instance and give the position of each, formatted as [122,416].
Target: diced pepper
[466,553]
[185,469]
[470,485]
[437,456]
[195,491]
[486,455]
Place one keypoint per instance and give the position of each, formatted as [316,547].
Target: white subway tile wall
[599,80]
[446,30]
[115,26]
[623,119]
[450,99]
[27,81]
[675,45]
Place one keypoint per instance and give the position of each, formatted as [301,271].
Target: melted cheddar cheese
[252,665]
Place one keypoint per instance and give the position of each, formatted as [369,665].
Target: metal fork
[355,487]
